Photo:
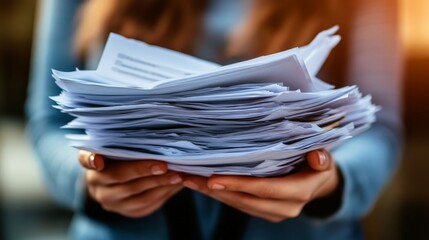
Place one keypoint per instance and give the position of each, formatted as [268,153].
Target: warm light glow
[415,26]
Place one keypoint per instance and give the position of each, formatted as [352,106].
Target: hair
[167,23]
[270,25]
[275,25]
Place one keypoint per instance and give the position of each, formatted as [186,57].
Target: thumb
[319,160]
[91,161]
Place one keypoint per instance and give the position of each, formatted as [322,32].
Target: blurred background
[27,212]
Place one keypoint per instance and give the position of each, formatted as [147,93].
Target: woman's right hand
[130,188]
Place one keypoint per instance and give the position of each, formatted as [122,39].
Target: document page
[257,117]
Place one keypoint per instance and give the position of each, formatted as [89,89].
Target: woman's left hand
[274,199]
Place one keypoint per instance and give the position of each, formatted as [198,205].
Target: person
[143,199]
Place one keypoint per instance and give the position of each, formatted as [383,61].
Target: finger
[199,184]
[141,204]
[157,204]
[271,209]
[296,187]
[319,160]
[280,188]
[244,202]
[91,160]
[148,198]
[236,199]
[124,171]
[195,182]
[116,192]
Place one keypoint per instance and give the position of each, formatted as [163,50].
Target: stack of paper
[258,117]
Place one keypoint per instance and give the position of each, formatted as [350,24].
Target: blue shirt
[366,162]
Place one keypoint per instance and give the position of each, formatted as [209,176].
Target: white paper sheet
[257,117]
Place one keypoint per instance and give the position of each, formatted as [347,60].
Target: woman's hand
[274,199]
[131,188]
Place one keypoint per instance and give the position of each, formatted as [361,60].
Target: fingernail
[191,185]
[157,170]
[322,158]
[218,186]
[175,179]
[92,161]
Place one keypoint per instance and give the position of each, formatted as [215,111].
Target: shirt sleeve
[52,49]
[368,161]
